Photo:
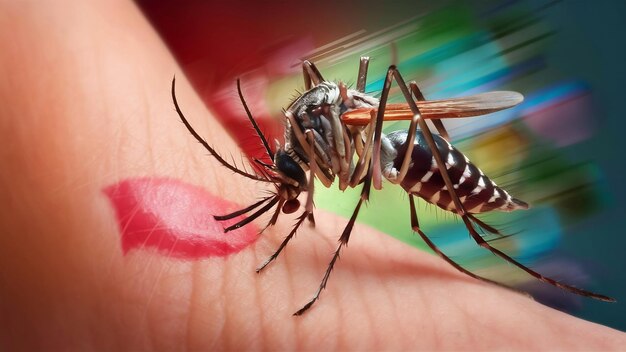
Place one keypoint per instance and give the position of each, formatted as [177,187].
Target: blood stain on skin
[175,218]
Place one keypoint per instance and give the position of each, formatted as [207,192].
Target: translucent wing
[474,105]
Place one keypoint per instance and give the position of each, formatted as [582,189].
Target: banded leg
[311,74]
[460,210]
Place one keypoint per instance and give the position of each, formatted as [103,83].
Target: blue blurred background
[561,150]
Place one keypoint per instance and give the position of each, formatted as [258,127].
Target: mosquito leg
[343,240]
[485,226]
[365,155]
[274,218]
[345,162]
[374,128]
[373,136]
[441,129]
[436,122]
[313,169]
[416,228]
[284,243]
[415,89]
[362,76]
[308,212]
[481,242]
[430,142]
[409,143]
[464,214]
[311,74]
[375,169]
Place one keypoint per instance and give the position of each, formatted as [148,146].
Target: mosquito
[335,132]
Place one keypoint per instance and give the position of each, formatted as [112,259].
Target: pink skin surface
[175,218]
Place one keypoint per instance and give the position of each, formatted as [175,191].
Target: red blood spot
[175,218]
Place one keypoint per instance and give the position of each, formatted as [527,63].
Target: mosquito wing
[474,105]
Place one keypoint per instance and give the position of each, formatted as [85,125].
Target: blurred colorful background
[561,150]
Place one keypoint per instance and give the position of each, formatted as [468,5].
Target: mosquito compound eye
[291,206]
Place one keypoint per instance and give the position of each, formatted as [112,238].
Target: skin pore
[84,102]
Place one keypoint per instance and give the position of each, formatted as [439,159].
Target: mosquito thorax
[328,99]
[319,101]
[319,110]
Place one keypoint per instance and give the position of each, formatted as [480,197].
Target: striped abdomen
[477,192]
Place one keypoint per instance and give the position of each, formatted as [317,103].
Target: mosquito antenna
[253,122]
[206,145]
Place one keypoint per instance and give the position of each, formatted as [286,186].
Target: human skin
[84,103]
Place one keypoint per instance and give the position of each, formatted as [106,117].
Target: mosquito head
[291,180]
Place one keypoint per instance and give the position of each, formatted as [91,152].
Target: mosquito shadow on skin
[377,262]
[312,246]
